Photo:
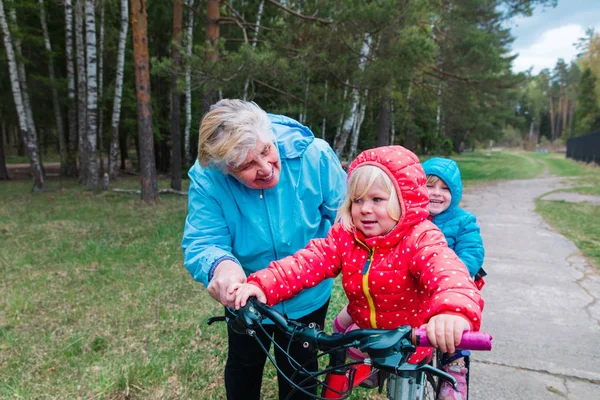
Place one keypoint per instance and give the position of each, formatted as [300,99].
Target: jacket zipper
[365,283]
[262,197]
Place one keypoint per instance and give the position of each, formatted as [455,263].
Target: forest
[113,87]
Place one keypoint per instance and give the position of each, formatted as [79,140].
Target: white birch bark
[116,114]
[62,146]
[189,37]
[357,124]
[81,91]
[92,94]
[349,125]
[22,74]
[72,106]
[256,29]
[30,143]
[101,88]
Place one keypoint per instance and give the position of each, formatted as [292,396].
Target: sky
[549,34]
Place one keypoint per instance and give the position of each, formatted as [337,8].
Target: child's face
[370,212]
[439,197]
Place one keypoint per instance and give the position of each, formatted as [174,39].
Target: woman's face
[261,168]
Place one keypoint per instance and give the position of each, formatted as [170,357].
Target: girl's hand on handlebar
[444,331]
[245,291]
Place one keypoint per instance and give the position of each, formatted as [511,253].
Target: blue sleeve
[469,245]
[206,238]
[333,182]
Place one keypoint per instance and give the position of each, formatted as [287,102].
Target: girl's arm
[469,245]
[308,267]
[444,277]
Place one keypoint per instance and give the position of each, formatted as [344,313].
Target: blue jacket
[227,220]
[459,226]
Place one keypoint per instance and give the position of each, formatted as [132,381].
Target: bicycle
[387,350]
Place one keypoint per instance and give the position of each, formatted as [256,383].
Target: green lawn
[95,302]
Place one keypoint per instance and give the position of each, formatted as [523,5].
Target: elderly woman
[263,186]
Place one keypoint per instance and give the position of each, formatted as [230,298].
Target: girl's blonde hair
[432,179]
[229,131]
[359,183]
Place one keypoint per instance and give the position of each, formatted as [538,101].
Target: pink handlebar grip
[471,340]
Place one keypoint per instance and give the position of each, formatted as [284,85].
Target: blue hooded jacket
[459,226]
[227,220]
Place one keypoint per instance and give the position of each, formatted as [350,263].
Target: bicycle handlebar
[254,312]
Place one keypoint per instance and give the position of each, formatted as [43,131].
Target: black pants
[246,361]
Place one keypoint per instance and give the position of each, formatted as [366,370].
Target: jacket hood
[405,171]
[448,171]
[292,137]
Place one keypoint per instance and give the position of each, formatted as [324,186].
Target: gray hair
[229,131]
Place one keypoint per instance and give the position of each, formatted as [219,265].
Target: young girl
[461,230]
[396,267]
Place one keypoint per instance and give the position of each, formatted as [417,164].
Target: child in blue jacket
[462,233]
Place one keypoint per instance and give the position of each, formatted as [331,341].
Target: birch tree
[72,105]
[26,134]
[176,95]
[22,75]
[349,124]
[101,88]
[188,83]
[81,91]
[116,114]
[60,132]
[91,181]
[139,30]
[256,29]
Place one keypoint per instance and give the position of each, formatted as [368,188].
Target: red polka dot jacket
[403,277]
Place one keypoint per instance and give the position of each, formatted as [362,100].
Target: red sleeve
[445,278]
[285,278]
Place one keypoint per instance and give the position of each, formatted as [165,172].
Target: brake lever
[212,320]
[441,374]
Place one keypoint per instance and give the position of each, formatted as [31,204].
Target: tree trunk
[139,31]
[101,89]
[62,146]
[256,29]
[188,84]
[383,130]
[71,169]
[176,95]
[410,132]
[92,96]
[22,75]
[81,92]
[116,114]
[324,122]
[213,14]
[26,134]
[357,125]
[3,171]
[350,122]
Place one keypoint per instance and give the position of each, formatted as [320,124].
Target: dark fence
[585,148]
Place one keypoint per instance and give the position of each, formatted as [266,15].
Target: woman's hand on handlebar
[444,331]
[243,291]
[226,274]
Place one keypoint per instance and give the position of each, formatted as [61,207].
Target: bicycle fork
[406,387]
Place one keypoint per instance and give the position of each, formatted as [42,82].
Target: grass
[579,222]
[96,303]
